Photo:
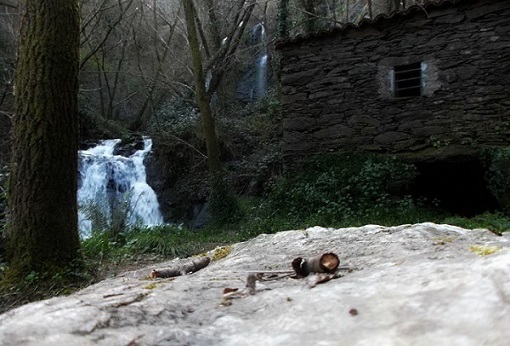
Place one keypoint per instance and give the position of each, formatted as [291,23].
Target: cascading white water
[261,76]
[113,186]
[252,85]
[259,33]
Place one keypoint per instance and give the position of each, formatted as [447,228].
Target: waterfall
[252,85]
[261,76]
[113,188]
[259,34]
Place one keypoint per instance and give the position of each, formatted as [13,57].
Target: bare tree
[393,5]
[223,205]
[219,61]
[105,40]
[13,4]
[370,12]
[130,59]
[213,149]
[161,47]
[310,17]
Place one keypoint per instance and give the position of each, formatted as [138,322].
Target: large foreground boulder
[423,284]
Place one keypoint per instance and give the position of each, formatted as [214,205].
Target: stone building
[431,83]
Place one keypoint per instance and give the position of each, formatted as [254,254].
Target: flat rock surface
[422,284]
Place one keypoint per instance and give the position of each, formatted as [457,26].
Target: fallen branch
[183,269]
[325,263]
[325,266]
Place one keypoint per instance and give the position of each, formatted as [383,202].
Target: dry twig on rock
[251,283]
[250,289]
[183,269]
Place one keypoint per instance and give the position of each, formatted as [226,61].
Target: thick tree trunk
[222,203]
[213,149]
[214,33]
[43,228]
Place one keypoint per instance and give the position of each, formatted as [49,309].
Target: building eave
[367,22]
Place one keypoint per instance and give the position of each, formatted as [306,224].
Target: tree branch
[10,4]
[182,269]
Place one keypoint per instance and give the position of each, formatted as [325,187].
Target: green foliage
[161,241]
[17,288]
[270,106]
[115,222]
[95,126]
[166,241]
[496,222]
[101,246]
[283,19]
[223,205]
[259,218]
[176,116]
[155,243]
[344,187]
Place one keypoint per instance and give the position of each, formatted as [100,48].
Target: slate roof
[367,22]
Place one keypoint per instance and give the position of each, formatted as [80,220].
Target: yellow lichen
[221,252]
[305,232]
[483,250]
[150,286]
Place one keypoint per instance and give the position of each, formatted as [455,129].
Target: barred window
[407,80]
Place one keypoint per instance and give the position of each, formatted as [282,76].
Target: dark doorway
[458,185]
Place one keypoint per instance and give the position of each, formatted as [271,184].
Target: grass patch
[140,246]
[495,222]
[33,286]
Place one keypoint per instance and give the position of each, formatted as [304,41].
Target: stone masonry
[337,84]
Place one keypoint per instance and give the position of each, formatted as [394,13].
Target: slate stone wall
[337,87]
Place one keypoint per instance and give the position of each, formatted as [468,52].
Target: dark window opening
[456,186]
[407,80]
